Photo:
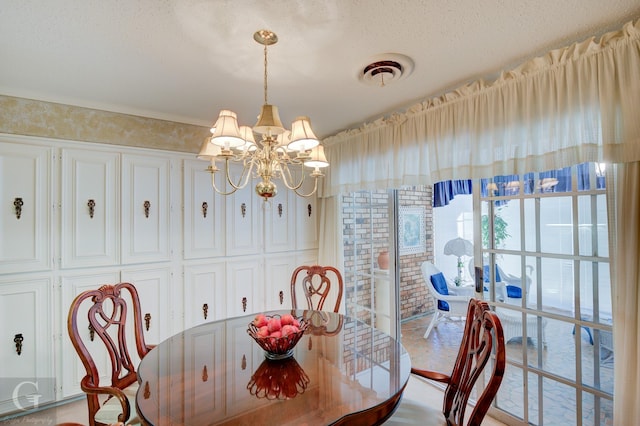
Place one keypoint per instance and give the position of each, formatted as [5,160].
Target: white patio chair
[451,301]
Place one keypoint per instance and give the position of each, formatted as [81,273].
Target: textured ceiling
[184,60]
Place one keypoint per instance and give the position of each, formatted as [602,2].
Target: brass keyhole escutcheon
[243,209]
[309,209]
[92,332]
[280,209]
[205,310]
[205,374]
[244,304]
[147,320]
[147,208]
[281,295]
[205,206]
[92,207]
[17,204]
[18,339]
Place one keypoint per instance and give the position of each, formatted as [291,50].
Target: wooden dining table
[343,371]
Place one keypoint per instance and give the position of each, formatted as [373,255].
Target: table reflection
[283,379]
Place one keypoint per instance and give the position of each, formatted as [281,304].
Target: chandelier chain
[265,74]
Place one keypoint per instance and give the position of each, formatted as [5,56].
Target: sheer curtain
[573,105]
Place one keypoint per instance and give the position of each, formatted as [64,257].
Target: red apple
[274,324]
[275,334]
[296,323]
[263,331]
[260,320]
[288,329]
[287,319]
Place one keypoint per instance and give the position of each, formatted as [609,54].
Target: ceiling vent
[386,69]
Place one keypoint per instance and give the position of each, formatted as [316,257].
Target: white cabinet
[204,293]
[72,369]
[245,286]
[26,203]
[204,215]
[90,208]
[153,290]
[26,342]
[107,213]
[306,218]
[145,209]
[278,271]
[244,222]
[280,222]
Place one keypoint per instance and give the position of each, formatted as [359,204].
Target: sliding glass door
[545,251]
[369,258]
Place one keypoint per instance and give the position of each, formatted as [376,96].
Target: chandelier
[279,154]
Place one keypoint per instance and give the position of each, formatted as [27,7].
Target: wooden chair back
[109,319]
[482,341]
[316,282]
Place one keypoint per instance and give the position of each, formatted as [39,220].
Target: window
[546,236]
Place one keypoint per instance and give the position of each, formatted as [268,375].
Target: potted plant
[500,233]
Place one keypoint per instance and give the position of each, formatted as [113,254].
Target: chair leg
[434,320]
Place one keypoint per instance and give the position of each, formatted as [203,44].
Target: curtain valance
[573,105]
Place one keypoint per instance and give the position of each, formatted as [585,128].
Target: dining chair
[315,283]
[482,347]
[104,314]
[451,301]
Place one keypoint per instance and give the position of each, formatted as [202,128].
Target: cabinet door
[153,291]
[90,208]
[27,350]
[308,257]
[25,216]
[244,221]
[245,287]
[72,369]
[278,271]
[145,209]
[280,222]
[204,293]
[307,218]
[204,230]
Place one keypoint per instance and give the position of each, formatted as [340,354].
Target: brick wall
[366,214]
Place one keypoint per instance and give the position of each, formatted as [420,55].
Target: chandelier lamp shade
[277,154]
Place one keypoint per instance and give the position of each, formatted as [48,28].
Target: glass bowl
[279,340]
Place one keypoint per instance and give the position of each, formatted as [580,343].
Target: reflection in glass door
[369,277]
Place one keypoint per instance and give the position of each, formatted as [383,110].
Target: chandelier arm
[315,187]
[246,173]
[286,176]
[213,183]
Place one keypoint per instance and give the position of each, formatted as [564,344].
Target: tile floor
[439,350]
